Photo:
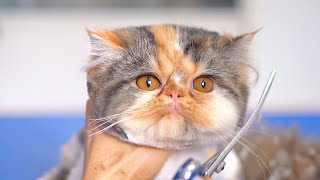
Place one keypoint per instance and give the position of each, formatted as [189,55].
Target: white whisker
[254,146]
[257,158]
[104,118]
[103,123]
[108,127]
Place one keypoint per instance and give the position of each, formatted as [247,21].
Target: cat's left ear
[104,42]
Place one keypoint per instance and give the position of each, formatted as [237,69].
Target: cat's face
[168,86]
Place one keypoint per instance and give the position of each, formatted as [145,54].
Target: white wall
[42,52]
[290,43]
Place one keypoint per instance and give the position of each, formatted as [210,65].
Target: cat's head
[168,86]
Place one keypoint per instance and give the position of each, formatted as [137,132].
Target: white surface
[42,52]
[289,42]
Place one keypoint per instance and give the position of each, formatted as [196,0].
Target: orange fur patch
[169,58]
[110,37]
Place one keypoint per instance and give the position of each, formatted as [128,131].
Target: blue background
[29,145]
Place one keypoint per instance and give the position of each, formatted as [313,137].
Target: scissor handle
[189,170]
[192,169]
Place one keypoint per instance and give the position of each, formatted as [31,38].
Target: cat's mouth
[176,111]
[175,108]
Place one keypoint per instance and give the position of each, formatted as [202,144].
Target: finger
[142,163]
[120,160]
[108,157]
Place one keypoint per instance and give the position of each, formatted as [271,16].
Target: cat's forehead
[170,51]
[171,60]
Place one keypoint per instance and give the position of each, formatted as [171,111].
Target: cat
[166,86]
[173,85]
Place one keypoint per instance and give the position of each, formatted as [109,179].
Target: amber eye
[203,84]
[148,82]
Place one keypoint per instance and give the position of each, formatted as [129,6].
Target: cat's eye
[148,82]
[203,84]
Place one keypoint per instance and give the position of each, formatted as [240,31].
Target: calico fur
[176,55]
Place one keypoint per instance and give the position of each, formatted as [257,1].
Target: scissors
[193,169]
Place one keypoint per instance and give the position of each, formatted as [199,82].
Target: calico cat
[173,86]
[165,86]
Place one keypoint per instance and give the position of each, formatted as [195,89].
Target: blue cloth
[30,145]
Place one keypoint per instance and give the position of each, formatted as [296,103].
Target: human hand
[107,157]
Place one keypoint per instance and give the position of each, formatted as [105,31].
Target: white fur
[177,45]
[105,54]
[222,111]
[177,77]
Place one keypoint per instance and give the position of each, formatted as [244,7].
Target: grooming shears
[192,169]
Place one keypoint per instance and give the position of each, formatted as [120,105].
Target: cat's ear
[244,40]
[104,41]
[238,48]
[241,42]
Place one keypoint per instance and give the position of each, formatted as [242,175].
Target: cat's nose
[175,95]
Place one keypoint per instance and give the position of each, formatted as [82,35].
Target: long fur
[175,55]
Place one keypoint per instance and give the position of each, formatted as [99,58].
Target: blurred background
[43,46]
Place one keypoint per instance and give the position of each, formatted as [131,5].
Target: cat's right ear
[104,42]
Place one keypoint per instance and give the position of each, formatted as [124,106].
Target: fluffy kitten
[173,86]
[164,86]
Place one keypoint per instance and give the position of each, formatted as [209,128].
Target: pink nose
[175,96]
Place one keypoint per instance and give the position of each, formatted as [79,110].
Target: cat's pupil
[203,83]
[148,81]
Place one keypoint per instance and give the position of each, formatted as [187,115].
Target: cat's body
[165,86]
